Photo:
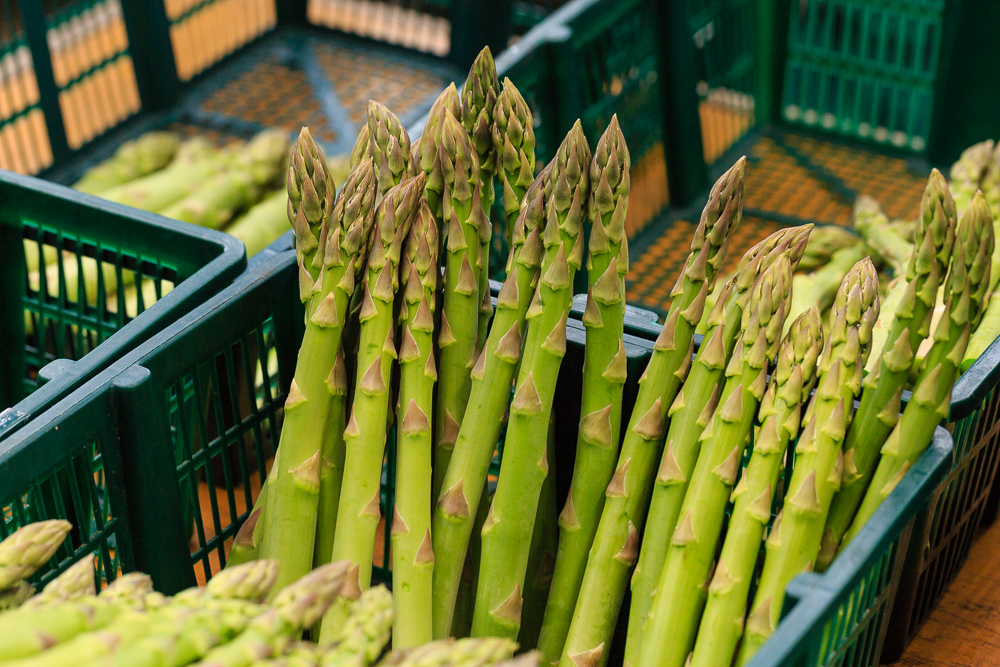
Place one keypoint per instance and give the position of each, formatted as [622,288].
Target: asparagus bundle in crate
[133,159]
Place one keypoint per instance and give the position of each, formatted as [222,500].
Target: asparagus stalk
[359,510]
[990,186]
[359,642]
[412,549]
[196,162]
[616,543]
[263,223]
[873,225]
[28,632]
[984,334]
[464,213]
[887,314]
[311,194]
[514,147]
[76,582]
[823,242]
[429,149]
[791,383]
[507,531]
[133,159]
[965,289]
[967,173]
[294,486]
[216,202]
[880,397]
[29,548]
[479,100]
[794,541]
[297,607]
[680,595]
[542,552]
[479,652]
[689,416]
[15,596]
[464,477]
[604,370]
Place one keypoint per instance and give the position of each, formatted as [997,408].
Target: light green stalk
[690,414]
[672,625]
[794,541]
[542,552]
[873,225]
[465,475]
[359,642]
[263,223]
[887,315]
[604,371]
[457,339]
[196,162]
[29,548]
[965,289]
[616,543]
[823,242]
[246,544]
[479,652]
[412,549]
[297,607]
[514,146]
[390,146]
[28,632]
[781,409]
[984,334]
[76,582]
[508,528]
[429,149]
[359,510]
[479,101]
[880,397]
[255,170]
[133,159]
[294,485]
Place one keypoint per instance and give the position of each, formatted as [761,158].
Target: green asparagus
[29,548]
[480,652]
[794,541]
[429,149]
[514,144]
[359,642]
[133,159]
[263,223]
[76,582]
[873,225]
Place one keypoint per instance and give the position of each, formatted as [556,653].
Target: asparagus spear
[196,162]
[76,582]
[293,487]
[791,383]
[133,159]
[616,542]
[29,548]
[672,624]
[255,169]
[990,186]
[880,398]
[359,510]
[794,541]
[603,380]
[887,314]
[689,416]
[823,242]
[263,223]
[412,549]
[984,334]
[134,586]
[465,215]
[479,652]
[479,100]
[465,475]
[429,148]
[965,289]
[297,607]
[297,654]
[28,632]
[311,194]
[359,642]
[507,531]
[390,146]
[873,225]
[967,173]
[514,146]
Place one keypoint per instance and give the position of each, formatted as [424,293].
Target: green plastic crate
[46,318]
[130,432]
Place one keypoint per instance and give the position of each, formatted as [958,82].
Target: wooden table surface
[964,629]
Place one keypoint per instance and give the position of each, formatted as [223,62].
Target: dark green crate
[196,382]
[47,319]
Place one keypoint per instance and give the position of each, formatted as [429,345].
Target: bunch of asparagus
[224,624]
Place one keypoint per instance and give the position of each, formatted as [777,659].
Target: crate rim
[230,261]
[818,594]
